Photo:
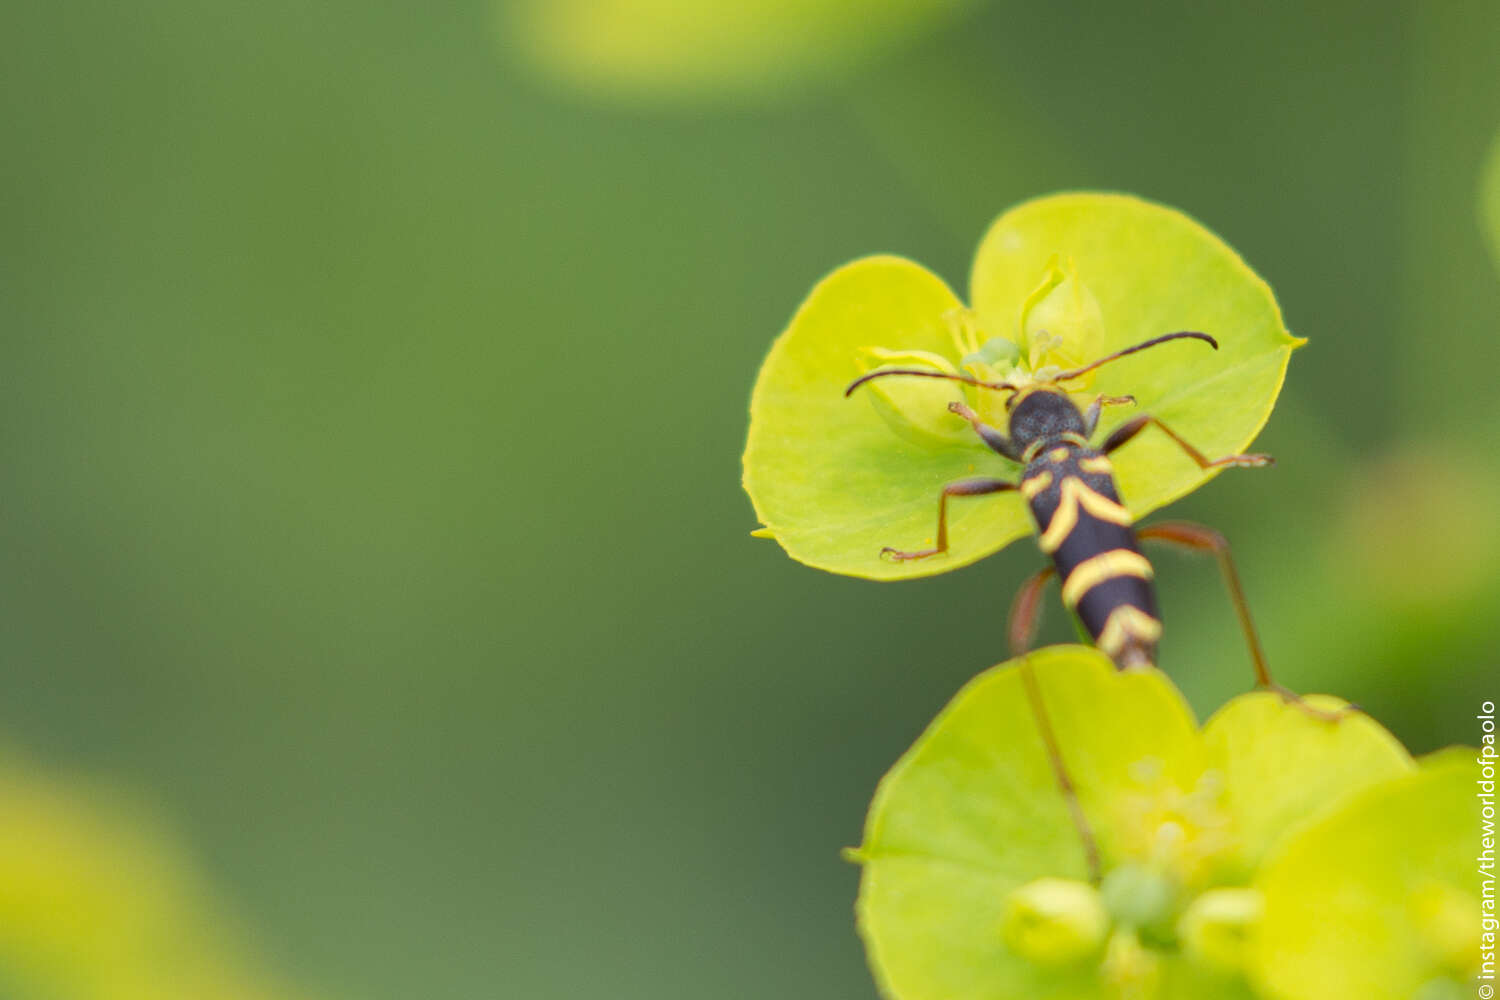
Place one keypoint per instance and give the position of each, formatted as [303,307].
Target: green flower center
[1059,326]
[1162,900]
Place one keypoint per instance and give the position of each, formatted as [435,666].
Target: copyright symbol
[1486,991]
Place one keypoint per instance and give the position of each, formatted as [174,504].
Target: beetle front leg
[997,441]
[1091,415]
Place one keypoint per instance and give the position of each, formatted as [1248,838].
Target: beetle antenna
[926,373]
[1181,335]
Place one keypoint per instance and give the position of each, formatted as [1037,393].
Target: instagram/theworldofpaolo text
[1489,922]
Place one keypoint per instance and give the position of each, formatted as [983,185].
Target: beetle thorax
[1044,415]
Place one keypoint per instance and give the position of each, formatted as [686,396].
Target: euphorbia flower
[1056,281]
[976,882]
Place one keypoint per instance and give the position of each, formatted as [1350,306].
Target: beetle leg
[1026,611]
[997,441]
[961,488]
[1198,538]
[1134,426]
[1091,415]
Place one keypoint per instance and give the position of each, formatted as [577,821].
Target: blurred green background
[374,397]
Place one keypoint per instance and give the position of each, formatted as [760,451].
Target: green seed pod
[1055,921]
[1141,897]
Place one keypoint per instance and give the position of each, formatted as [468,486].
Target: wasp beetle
[1081,524]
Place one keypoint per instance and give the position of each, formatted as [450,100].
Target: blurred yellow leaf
[683,50]
[1416,532]
[98,902]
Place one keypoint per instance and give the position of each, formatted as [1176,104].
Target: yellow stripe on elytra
[1073,494]
[1033,486]
[1127,622]
[1096,463]
[1098,569]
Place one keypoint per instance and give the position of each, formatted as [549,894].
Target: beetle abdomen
[1083,526]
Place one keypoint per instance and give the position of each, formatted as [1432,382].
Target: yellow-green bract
[834,480]
[1489,200]
[1382,899]
[1213,844]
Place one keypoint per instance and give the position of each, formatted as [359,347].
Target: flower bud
[916,408]
[1446,925]
[1061,322]
[1130,969]
[1215,931]
[1055,921]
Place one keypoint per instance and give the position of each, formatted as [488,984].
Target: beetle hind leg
[1026,611]
[1198,538]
